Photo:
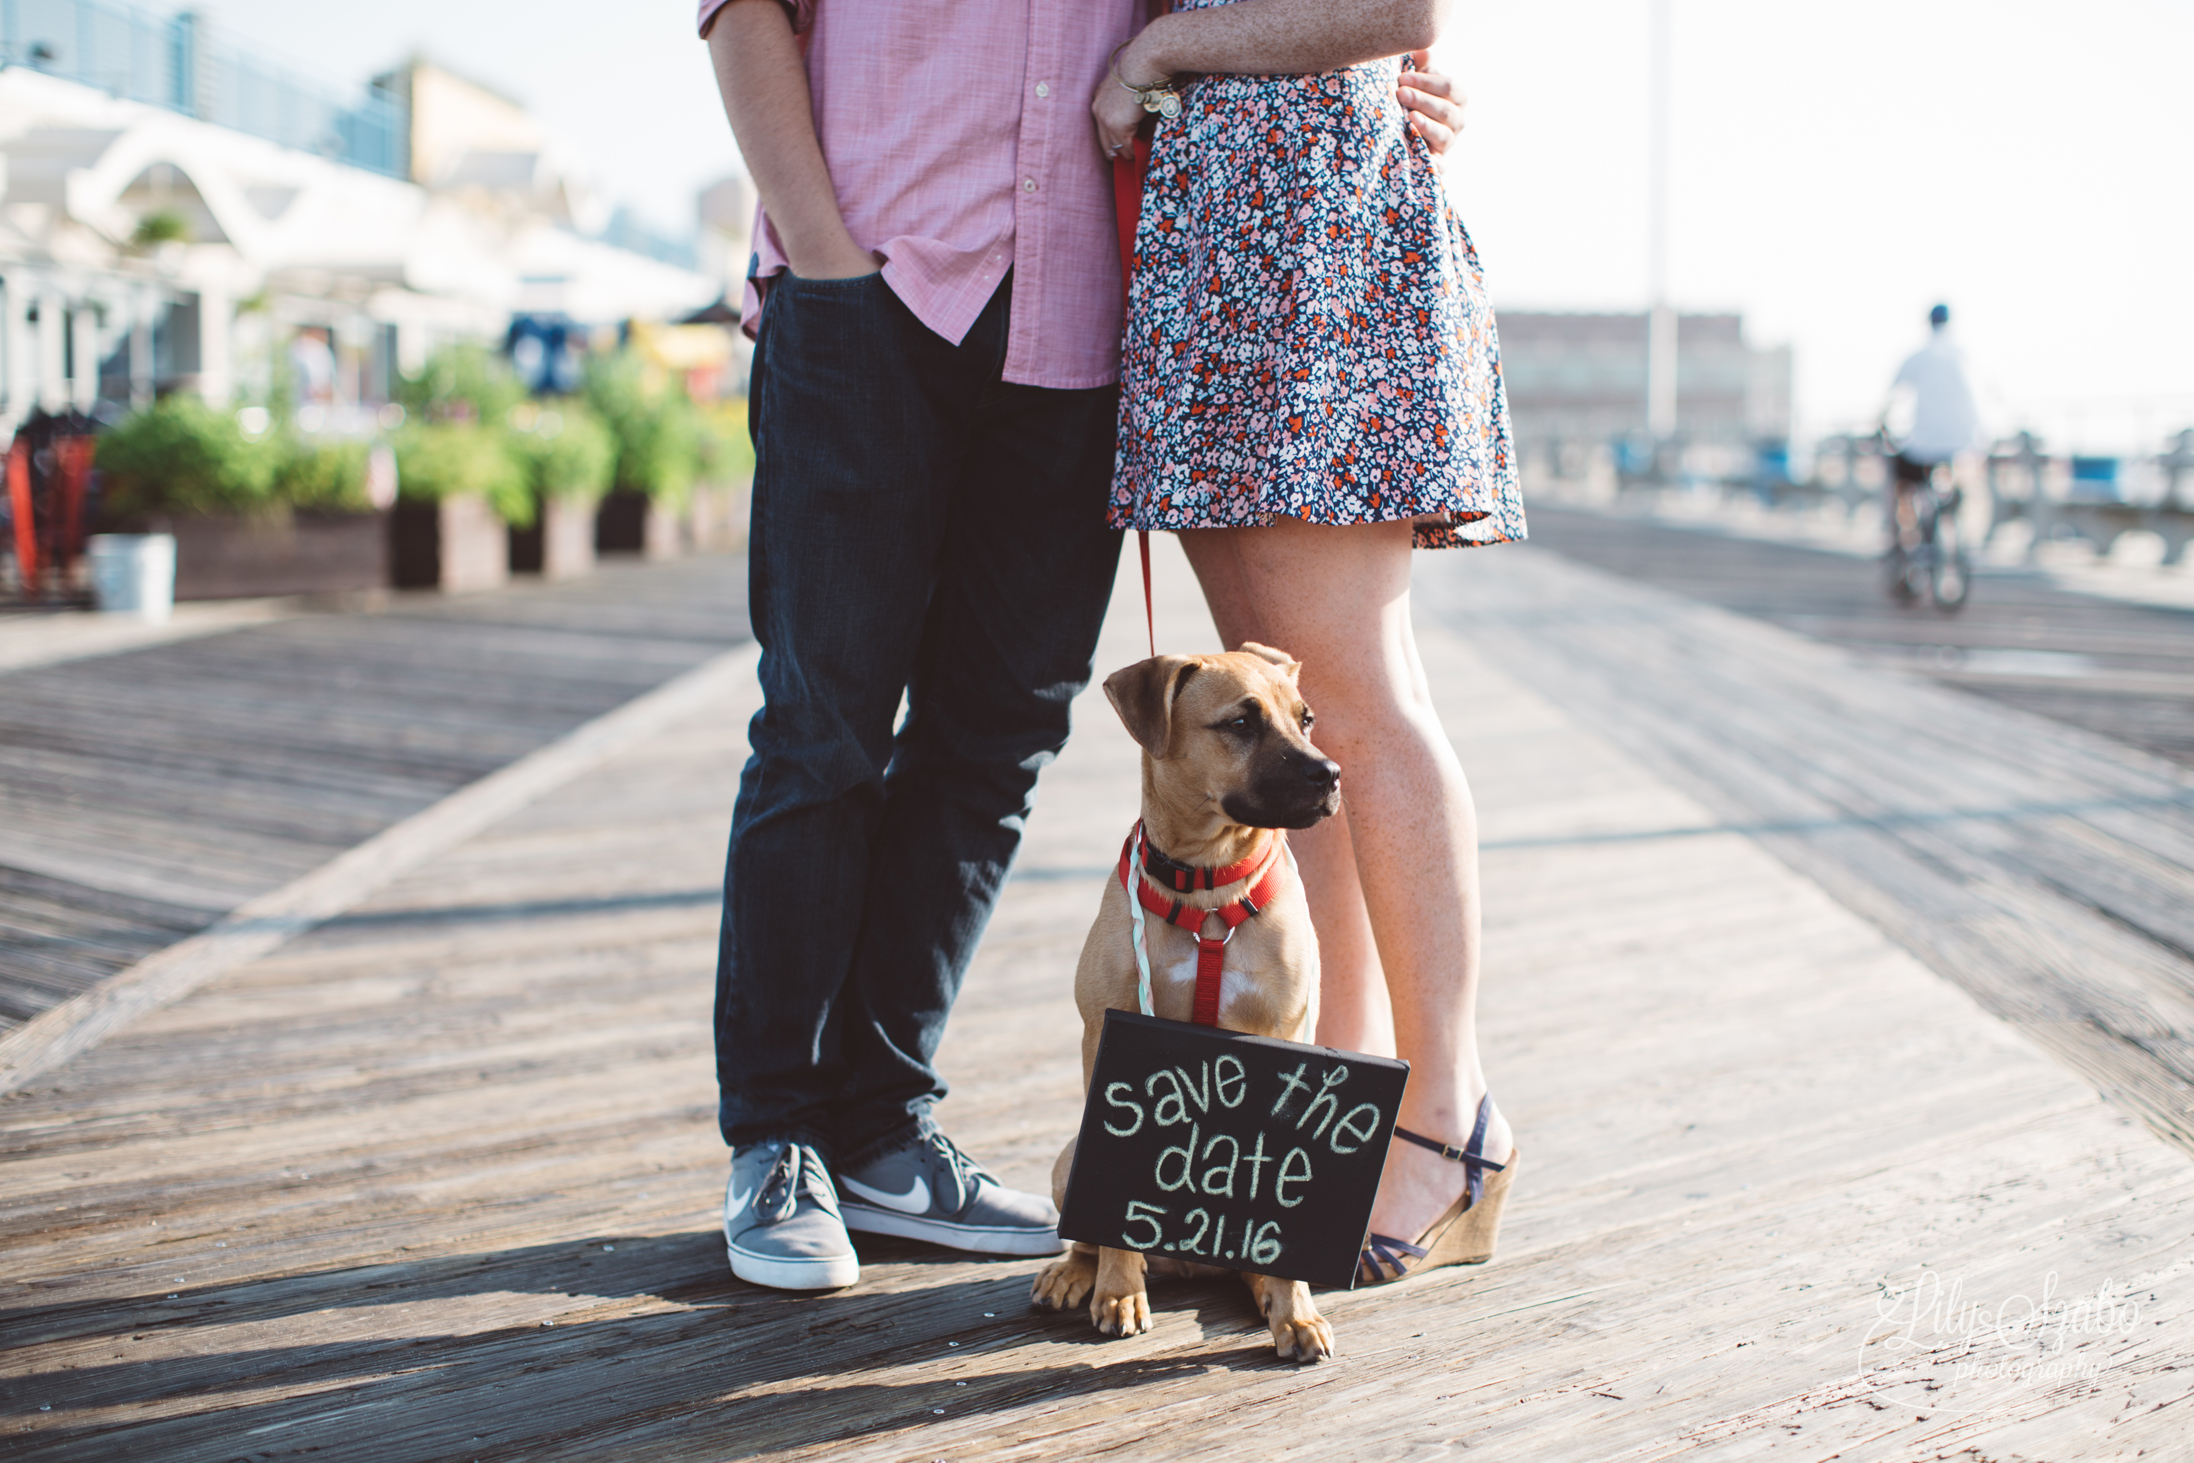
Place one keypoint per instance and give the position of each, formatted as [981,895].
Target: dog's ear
[1289,667]
[1143,695]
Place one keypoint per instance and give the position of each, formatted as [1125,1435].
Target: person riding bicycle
[1945,419]
[1926,555]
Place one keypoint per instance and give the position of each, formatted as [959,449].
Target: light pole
[1661,318]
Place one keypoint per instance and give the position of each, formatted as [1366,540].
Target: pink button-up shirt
[959,141]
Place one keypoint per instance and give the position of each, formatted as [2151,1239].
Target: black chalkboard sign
[1228,1149]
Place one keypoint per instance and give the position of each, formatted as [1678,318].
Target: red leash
[1264,869]
[1210,954]
[1127,204]
[1150,621]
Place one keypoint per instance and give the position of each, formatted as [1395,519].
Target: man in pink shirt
[937,314]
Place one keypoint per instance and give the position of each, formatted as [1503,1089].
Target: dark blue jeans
[919,526]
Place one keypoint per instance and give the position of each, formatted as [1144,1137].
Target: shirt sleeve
[801,11]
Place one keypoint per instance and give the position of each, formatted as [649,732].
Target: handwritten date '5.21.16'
[1257,1243]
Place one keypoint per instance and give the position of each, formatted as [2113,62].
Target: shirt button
[1028,185]
[1043,88]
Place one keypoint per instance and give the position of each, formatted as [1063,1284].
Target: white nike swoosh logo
[914,1201]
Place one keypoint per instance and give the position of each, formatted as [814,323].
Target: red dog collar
[1177,876]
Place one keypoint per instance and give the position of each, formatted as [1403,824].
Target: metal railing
[174,62]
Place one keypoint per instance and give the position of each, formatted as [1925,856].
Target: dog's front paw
[1065,1283]
[1121,1315]
[1308,1339]
[1299,1333]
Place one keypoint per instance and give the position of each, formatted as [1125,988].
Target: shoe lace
[965,1170]
[780,1192]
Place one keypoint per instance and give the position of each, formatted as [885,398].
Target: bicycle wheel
[1898,575]
[1949,574]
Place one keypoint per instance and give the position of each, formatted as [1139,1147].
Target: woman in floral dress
[1310,387]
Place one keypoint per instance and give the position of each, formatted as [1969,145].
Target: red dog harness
[1263,869]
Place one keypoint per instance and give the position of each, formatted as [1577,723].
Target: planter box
[631,523]
[220,556]
[716,519]
[456,545]
[560,544]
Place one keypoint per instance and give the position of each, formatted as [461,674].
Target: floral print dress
[1308,333]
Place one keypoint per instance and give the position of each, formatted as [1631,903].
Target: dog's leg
[1120,1305]
[1065,1282]
[1060,1168]
[1298,1331]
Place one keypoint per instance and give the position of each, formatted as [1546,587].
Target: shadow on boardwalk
[437,1180]
[690,1335]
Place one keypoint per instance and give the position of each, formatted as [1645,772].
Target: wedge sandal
[1466,1233]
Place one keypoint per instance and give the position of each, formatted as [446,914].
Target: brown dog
[1227,758]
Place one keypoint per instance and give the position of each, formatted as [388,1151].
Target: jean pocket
[843,285]
[849,303]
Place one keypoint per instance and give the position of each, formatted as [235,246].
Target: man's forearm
[1285,37]
[765,88]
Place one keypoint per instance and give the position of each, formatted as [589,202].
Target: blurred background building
[1577,387]
[177,212]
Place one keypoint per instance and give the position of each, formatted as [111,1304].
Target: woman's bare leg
[1353,1011]
[1337,599]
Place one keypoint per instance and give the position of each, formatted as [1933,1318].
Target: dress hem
[1439,533]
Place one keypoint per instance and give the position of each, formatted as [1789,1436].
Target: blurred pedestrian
[938,295]
[1945,420]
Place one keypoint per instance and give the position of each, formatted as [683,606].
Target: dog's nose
[1319,772]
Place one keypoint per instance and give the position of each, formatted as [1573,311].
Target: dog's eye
[1247,724]
[1307,718]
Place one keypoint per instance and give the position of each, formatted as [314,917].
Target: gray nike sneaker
[781,1222]
[930,1190]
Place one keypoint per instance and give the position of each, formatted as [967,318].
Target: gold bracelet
[1160,97]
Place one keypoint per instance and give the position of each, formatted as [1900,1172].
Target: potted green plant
[570,459]
[716,515]
[253,512]
[658,434]
[460,486]
[459,489]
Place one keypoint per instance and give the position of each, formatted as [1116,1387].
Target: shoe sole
[779,1273]
[978,1238]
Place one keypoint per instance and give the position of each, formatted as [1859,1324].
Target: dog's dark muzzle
[1297,793]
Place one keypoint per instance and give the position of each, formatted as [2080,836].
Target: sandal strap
[1383,1252]
[1471,1155]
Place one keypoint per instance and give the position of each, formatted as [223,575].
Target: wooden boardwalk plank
[189,777]
[2123,670]
[438,1179]
[2041,866]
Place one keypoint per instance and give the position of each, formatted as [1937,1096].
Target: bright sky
[1836,169]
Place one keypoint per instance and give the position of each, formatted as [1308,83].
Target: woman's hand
[1118,111]
[1434,106]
